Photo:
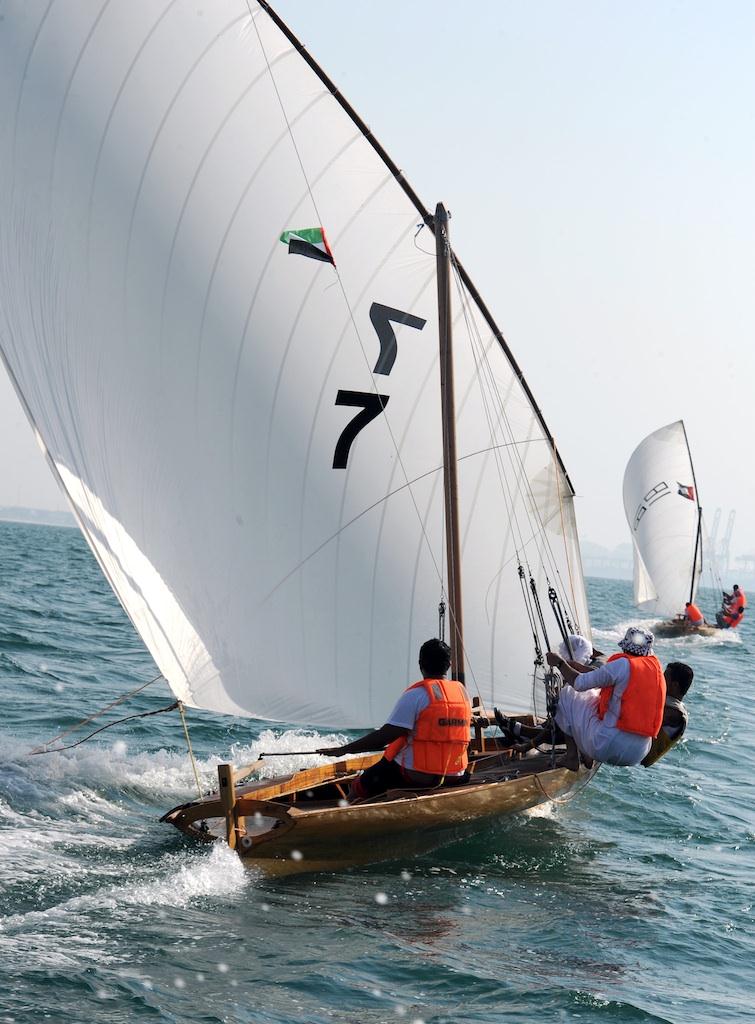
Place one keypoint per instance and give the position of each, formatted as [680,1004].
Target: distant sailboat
[237,358]
[662,506]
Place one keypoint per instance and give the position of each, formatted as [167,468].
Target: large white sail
[662,509]
[192,381]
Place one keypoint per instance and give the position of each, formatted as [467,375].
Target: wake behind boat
[239,361]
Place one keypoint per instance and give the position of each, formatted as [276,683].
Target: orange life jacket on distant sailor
[643,700]
[694,614]
[740,601]
[734,618]
[441,733]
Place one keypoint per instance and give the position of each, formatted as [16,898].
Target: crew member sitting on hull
[693,615]
[732,609]
[678,678]
[426,735]
[580,655]
[613,713]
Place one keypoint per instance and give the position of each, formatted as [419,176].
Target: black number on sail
[659,491]
[371,405]
[381,317]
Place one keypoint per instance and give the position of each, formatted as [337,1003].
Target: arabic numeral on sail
[371,405]
[381,317]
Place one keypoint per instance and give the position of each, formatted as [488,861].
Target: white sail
[662,509]
[192,382]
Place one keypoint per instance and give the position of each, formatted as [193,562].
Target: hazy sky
[599,163]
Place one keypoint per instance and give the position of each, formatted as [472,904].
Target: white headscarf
[581,649]
[637,641]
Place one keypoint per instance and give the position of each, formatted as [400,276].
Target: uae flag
[686,491]
[309,242]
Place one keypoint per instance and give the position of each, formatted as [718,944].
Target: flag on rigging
[309,242]
[686,491]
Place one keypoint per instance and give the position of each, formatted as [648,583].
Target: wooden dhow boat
[662,506]
[229,319]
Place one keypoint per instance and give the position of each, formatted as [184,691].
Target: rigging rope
[533,625]
[182,713]
[102,728]
[539,610]
[85,721]
[564,625]
[523,486]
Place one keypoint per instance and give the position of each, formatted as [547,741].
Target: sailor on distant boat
[613,713]
[732,609]
[426,735]
[678,678]
[693,614]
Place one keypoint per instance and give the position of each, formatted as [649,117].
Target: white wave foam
[614,633]
[217,872]
[166,774]
[68,934]
[544,810]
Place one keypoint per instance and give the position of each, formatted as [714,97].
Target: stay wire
[519,471]
[519,545]
[510,499]
[520,475]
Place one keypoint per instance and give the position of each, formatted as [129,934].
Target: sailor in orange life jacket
[613,713]
[693,614]
[426,735]
[733,608]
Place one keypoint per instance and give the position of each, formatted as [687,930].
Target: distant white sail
[251,438]
[662,509]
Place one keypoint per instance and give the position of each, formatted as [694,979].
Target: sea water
[631,902]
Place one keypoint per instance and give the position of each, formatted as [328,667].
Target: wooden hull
[284,838]
[672,628]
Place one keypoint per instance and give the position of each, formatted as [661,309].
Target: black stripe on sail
[298,247]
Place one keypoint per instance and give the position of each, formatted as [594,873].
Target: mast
[698,537]
[448,416]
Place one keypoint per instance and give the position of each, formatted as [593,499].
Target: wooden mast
[448,414]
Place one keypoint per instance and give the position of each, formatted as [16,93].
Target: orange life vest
[694,615]
[740,601]
[441,733]
[734,618]
[643,700]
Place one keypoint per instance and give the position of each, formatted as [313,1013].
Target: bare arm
[610,674]
[376,740]
[568,669]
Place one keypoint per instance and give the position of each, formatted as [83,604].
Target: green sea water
[630,903]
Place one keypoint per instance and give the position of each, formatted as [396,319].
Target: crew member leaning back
[613,714]
[425,737]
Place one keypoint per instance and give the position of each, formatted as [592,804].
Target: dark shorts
[378,778]
[385,775]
